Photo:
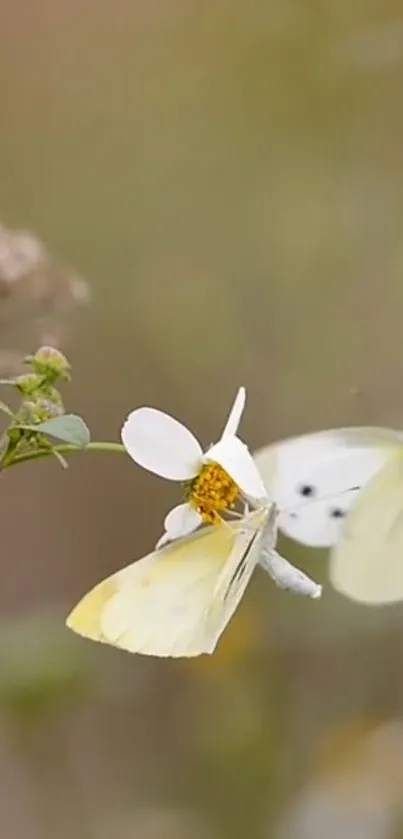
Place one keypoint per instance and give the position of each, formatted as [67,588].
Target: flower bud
[33,412]
[49,409]
[29,383]
[50,363]
[49,393]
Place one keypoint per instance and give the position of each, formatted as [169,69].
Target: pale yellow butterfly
[178,600]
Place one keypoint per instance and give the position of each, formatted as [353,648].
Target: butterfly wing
[367,563]
[237,572]
[176,601]
[314,478]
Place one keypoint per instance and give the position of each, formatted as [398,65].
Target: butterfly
[343,489]
[178,600]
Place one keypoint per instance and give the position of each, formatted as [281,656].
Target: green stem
[67,449]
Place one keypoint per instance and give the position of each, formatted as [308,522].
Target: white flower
[217,478]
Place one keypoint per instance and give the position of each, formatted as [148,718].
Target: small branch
[117,448]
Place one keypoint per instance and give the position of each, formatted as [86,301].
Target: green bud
[50,363]
[49,409]
[29,383]
[49,393]
[14,435]
[33,412]
[28,413]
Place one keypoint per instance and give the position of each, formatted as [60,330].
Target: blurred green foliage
[42,670]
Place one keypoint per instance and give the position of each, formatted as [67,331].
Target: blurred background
[221,184]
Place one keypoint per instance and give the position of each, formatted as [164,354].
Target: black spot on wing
[337,513]
[307,490]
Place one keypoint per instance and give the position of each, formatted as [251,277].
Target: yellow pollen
[213,492]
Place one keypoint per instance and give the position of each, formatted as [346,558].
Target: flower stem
[66,449]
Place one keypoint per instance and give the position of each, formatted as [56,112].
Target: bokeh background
[222,184]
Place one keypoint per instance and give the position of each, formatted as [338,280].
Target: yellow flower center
[213,492]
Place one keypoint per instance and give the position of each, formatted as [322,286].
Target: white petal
[235,414]
[180,521]
[232,454]
[163,540]
[161,444]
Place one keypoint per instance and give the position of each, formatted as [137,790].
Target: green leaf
[69,428]
[6,409]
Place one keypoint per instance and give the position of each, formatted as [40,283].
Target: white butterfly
[352,481]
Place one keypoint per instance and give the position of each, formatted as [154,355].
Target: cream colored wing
[238,570]
[314,478]
[367,563]
[176,601]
